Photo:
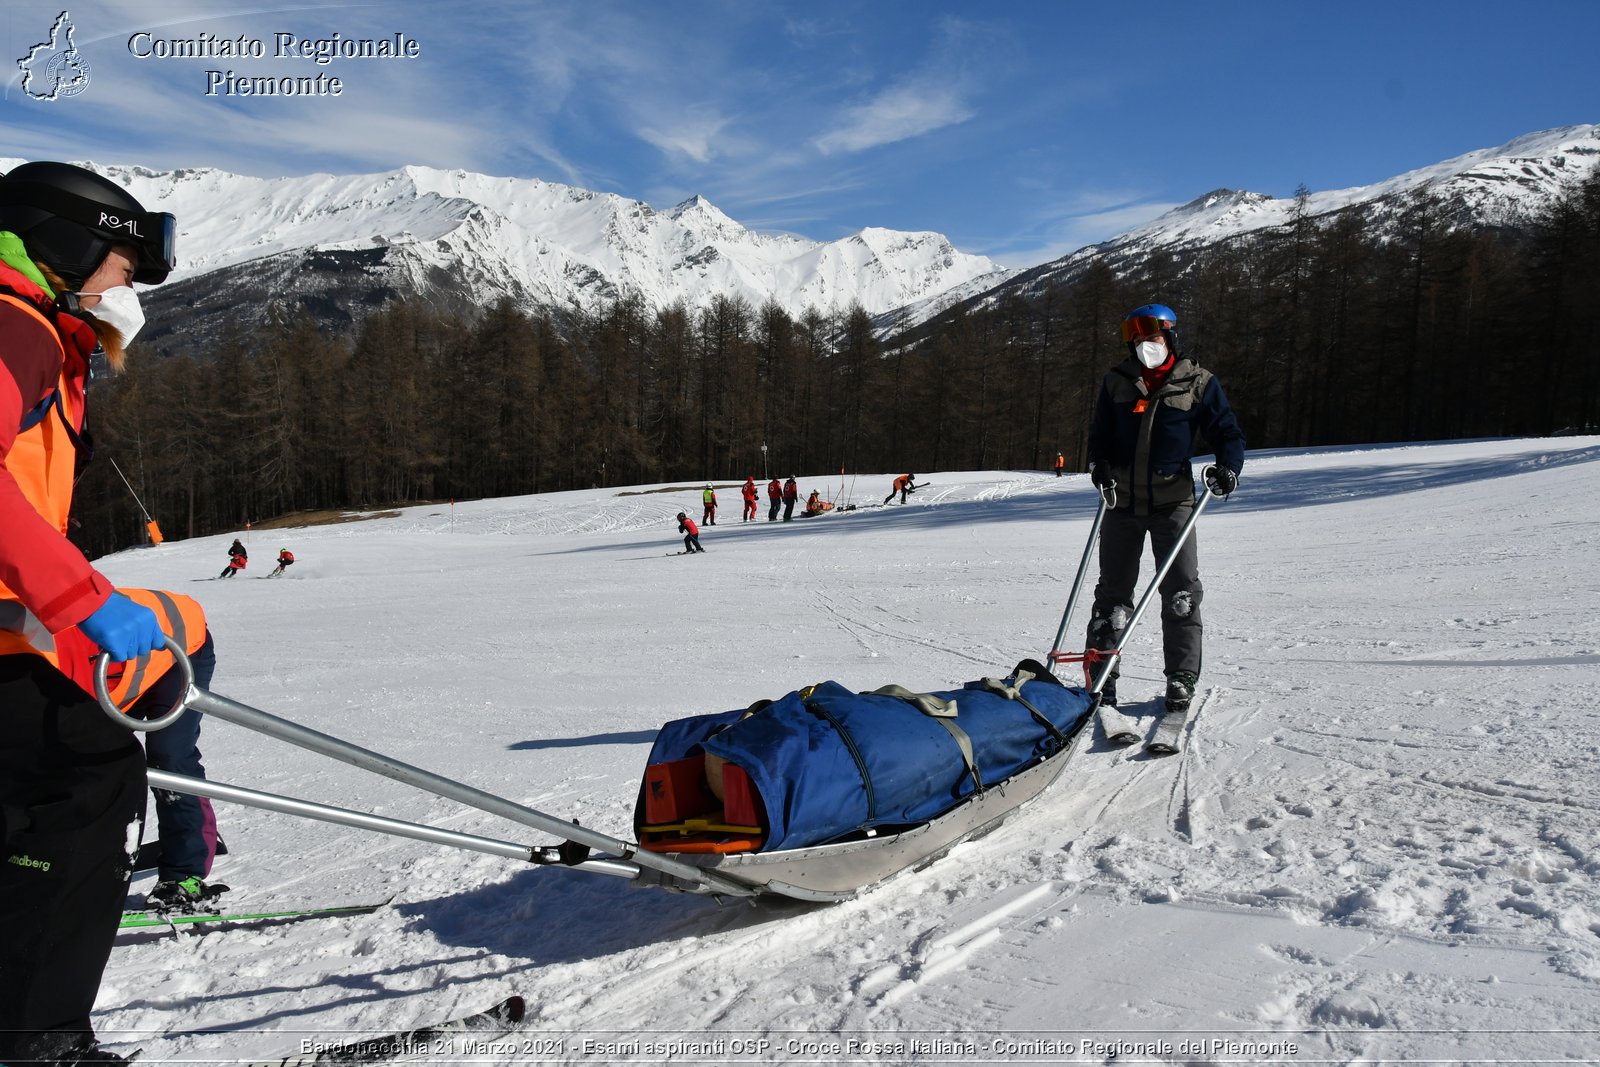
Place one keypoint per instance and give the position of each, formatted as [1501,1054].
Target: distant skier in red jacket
[237,559]
[774,499]
[791,493]
[750,494]
[691,533]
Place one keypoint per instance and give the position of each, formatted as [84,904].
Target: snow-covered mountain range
[479,237]
[1492,187]
[339,246]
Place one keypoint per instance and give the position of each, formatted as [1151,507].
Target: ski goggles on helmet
[154,234]
[1139,327]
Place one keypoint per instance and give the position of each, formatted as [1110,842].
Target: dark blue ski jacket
[1147,440]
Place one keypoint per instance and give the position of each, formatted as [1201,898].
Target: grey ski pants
[1122,537]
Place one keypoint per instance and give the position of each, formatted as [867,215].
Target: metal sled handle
[102,692]
[1108,499]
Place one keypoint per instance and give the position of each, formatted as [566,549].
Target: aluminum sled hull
[840,870]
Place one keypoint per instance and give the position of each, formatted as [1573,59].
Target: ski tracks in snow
[934,955]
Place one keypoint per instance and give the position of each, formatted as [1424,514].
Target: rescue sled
[703,853]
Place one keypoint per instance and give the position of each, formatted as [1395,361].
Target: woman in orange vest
[72,782]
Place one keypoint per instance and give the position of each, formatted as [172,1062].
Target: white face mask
[1151,353]
[119,308]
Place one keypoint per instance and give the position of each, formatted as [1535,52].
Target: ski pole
[208,703]
[1108,499]
[1115,654]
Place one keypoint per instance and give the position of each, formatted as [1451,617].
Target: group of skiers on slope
[73,789]
[238,559]
[780,496]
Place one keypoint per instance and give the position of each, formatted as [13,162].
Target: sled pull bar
[235,794]
[361,820]
[208,703]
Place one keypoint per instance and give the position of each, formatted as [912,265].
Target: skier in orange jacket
[905,485]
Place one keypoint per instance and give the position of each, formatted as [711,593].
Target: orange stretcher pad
[683,814]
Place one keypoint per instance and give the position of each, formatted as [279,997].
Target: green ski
[135,920]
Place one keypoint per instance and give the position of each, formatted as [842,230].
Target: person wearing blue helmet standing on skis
[1152,410]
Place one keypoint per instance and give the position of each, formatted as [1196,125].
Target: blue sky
[1021,130]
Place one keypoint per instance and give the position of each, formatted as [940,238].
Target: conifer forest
[1322,332]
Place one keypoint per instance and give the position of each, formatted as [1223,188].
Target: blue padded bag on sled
[828,762]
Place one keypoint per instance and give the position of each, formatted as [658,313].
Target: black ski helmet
[70,217]
[680,515]
[1147,318]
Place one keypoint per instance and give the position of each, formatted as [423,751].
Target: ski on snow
[1168,736]
[1118,728]
[1165,740]
[135,920]
[455,1038]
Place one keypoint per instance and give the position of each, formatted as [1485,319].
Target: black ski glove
[1220,480]
[1100,475]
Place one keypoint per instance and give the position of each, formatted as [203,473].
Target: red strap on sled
[1090,658]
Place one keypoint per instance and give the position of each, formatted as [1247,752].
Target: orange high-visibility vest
[42,462]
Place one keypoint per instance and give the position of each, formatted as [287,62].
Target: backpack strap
[1011,689]
[40,410]
[943,712]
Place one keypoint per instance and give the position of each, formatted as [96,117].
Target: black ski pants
[1122,538]
[72,802]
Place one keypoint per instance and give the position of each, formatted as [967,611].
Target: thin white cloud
[693,135]
[898,113]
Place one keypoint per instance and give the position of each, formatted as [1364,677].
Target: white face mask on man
[1151,353]
[119,308]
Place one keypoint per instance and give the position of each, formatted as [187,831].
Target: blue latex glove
[124,629]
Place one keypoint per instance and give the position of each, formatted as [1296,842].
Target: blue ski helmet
[1148,320]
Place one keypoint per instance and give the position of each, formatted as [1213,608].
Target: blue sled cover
[829,762]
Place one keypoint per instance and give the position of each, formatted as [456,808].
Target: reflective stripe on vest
[181,619]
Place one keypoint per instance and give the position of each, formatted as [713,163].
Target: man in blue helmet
[1152,409]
